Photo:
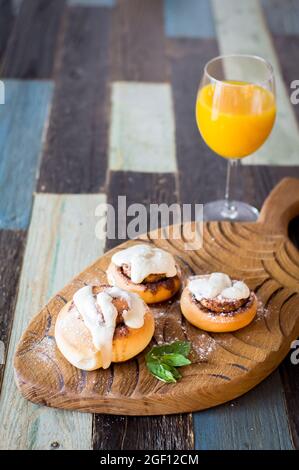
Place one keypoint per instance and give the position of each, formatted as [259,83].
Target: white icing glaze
[145,260]
[106,330]
[134,317]
[218,285]
[209,286]
[86,306]
[102,328]
[239,290]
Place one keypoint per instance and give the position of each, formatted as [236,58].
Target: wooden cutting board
[224,366]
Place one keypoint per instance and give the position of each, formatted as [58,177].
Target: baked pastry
[217,303]
[102,325]
[148,271]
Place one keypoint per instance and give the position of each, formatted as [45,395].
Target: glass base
[236,211]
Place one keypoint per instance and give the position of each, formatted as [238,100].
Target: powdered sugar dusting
[203,346]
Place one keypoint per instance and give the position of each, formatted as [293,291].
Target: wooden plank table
[81,78]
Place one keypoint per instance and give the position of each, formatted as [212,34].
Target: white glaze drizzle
[102,329]
[218,285]
[145,260]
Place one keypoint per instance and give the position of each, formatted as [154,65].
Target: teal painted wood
[92,3]
[257,420]
[188,19]
[282,16]
[23,119]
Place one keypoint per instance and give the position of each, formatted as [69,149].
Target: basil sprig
[162,361]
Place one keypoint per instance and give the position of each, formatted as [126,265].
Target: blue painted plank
[257,420]
[282,16]
[92,3]
[22,119]
[188,19]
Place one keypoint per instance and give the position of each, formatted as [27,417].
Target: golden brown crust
[150,292]
[217,322]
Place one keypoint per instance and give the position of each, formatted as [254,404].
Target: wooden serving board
[224,366]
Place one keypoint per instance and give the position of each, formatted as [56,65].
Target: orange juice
[235,118]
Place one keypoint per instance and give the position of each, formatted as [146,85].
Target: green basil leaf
[161,371]
[174,371]
[162,360]
[178,347]
[176,360]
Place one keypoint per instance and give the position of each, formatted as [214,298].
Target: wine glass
[235,113]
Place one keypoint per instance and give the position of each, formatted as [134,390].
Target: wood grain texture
[74,160]
[61,241]
[231,426]
[288,371]
[11,254]
[137,41]
[20,147]
[259,180]
[198,167]
[142,130]
[139,188]
[224,366]
[143,433]
[241,29]
[256,421]
[282,17]
[6,24]
[30,51]
[290,379]
[127,432]
[289,63]
[188,19]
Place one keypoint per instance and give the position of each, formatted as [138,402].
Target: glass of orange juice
[235,113]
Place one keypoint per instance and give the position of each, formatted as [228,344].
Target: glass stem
[229,211]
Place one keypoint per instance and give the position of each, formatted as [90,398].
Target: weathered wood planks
[290,379]
[188,19]
[256,421]
[289,65]
[224,366]
[6,24]
[200,170]
[23,122]
[129,47]
[140,433]
[31,48]
[142,131]
[127,432]
[74,160]
[137,41]
[11,254]
[139,188]
[282,17]
[61,242]
[241,29]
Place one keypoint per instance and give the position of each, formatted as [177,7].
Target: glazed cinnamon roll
[101,325]
[145,270]
[217,303]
